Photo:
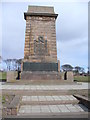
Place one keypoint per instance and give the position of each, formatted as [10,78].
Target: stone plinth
[11,76]
[27,75]
[70,76]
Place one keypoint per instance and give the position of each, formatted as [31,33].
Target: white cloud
[71,30]
[75,52]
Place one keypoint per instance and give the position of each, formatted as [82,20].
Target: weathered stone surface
[40,9]
[13,107]
[40,26]
[11,76]
[70,76]
[14,112]
[40,42]
[9,111]
[67,76]
[26,75]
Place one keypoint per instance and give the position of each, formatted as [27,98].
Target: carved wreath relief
[40,46]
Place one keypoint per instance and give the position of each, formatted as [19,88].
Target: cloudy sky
[71,30]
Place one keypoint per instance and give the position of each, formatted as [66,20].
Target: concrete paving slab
[59,98]
[49,98]
[45,109]
[79,108]
[46,87]
[34,98]
[42,98]
[39,109]
[63,108]
[54,109]
[72,108]
[56,97]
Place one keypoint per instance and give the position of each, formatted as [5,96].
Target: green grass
[82,78]
[4,98]
[3,75]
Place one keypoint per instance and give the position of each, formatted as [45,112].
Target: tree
[79,69]
[66,67]
[13,64]
[19,61]
[82,70]
[8,63]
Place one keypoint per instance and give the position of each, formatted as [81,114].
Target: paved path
[49,109]
[48,98]
[39,109]
[29,108]
[45,87]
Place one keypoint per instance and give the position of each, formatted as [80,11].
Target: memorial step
[46,100]
[51,109]
[50,105]
[45,82]
[55,99]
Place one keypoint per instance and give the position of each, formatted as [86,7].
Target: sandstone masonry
[40,52]
[40,35]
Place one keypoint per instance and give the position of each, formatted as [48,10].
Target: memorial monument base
[40,52]
[35,75]
[40,71]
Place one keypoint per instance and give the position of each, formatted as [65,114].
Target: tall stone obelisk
[40,52]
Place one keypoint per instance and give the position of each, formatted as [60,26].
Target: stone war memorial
[40,51]
[41,91]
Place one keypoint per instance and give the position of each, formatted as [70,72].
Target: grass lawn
[82,78]
[3,75]
[2,99]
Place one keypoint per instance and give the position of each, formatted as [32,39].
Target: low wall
[11,76]
[83,100]
[13,107]
[68,76]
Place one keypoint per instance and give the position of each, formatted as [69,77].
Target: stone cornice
[40,14]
